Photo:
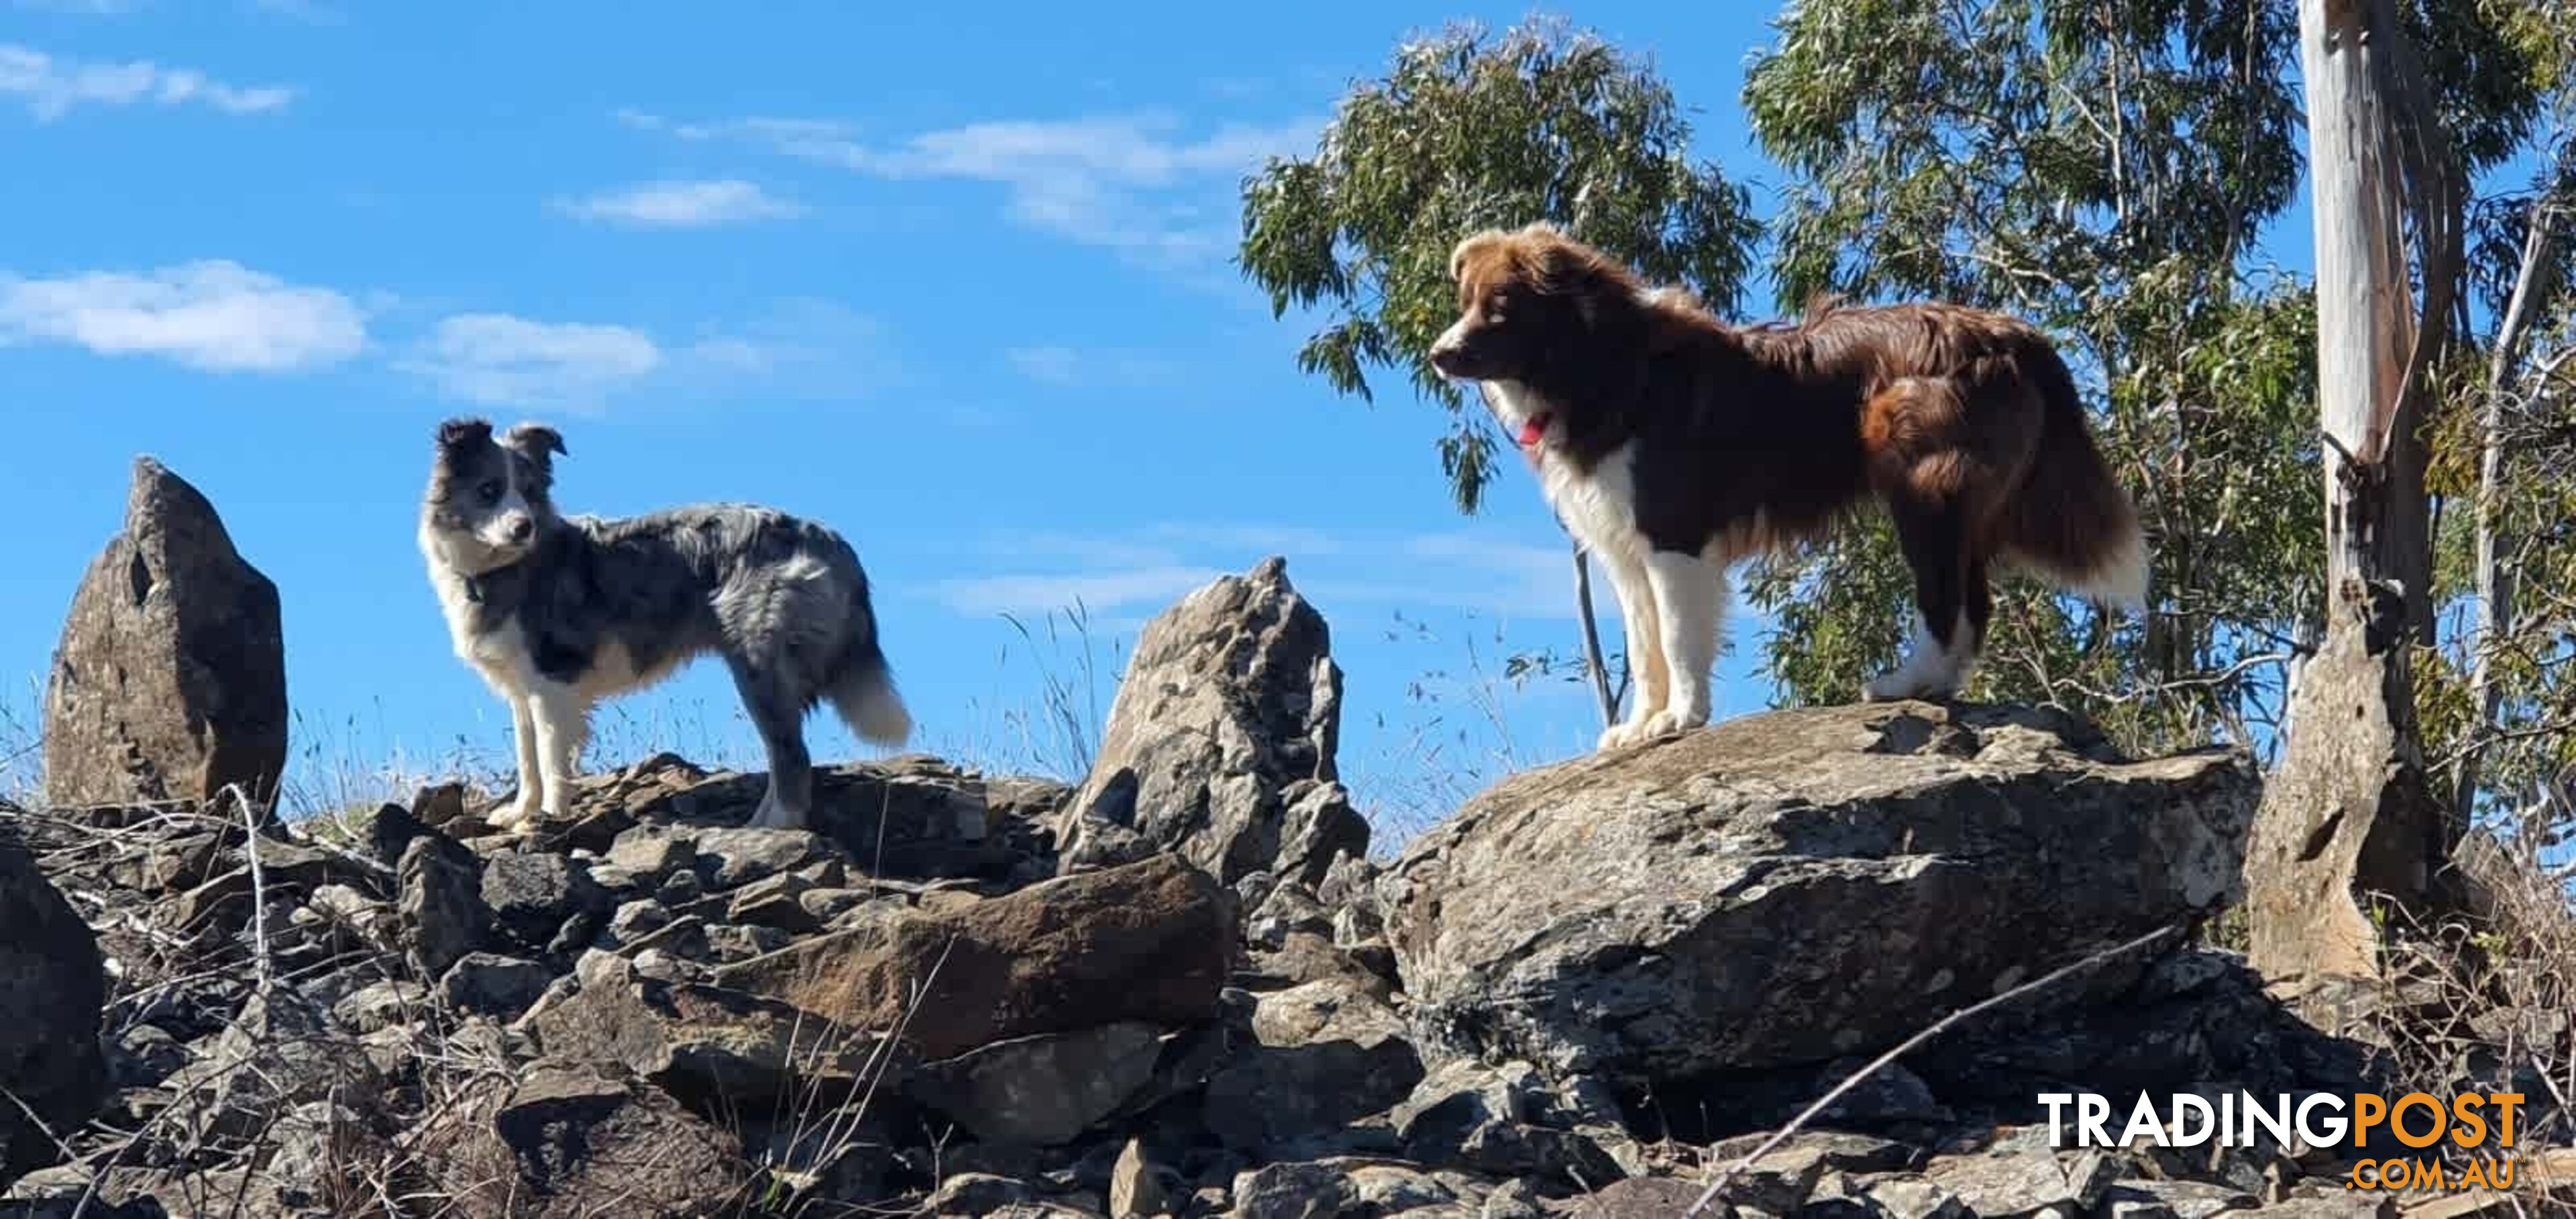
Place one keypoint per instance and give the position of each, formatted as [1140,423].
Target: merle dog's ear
[537,441]
[462,432]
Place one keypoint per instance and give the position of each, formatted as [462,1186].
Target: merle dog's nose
[521,528]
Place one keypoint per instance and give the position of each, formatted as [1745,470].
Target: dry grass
[22,742]
[2484,999]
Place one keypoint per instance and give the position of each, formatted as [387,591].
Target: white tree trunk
[2346,812]
[2365,311]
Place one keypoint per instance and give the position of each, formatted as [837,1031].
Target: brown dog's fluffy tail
[2069,518]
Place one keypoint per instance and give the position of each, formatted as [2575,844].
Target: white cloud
[1059,364]
[1138,572]
[700,204]
[797,350]
[214,315]
[1098,592]
[1138,184]
[804,348]
[495,359]
[51,88]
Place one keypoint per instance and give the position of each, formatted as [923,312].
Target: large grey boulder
[52,986]
[169,682]
[1220,743]
[1798,886]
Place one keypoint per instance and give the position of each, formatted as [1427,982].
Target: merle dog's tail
[863,692]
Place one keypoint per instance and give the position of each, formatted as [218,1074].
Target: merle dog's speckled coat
[559,613]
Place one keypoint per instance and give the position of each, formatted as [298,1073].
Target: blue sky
[953,282]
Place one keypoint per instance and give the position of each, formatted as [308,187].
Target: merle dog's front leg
[562,720]
[523,808]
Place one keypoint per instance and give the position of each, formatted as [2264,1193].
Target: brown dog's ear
[463,433]
[537,441]
[1471,246]
[1559,266]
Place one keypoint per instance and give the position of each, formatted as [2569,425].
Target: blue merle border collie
[559,613]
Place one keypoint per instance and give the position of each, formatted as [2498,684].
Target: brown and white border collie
[1671,444]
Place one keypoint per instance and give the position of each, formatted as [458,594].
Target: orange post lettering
[2468,1129]
[2368,1110]
[2418,1100]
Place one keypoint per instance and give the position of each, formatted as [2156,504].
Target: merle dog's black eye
[490,491]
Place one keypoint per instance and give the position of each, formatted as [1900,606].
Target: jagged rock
[1289,908]
[569,1140]
[1826,1150]
[483,984]
[170,679]
[777,902]
[532,895]
[174,865]
[439,805]
[1042,1090]
[828,907]
[2012,1181]
[728,944]
[1293,1191]
[910,817]
[1395,1189]
[52,986]
[1323,1055]
[1912,1197]
[1147,942]
[732,858]
[653,852]
[1496,1119]
[69,1192]
[384,834]
[709,1046]
[439,904]
[1638,1198]
[1798,886]
[636,920]
[143,1055]
[1137,1185]
[284,869]
[280,1053]
[983,1193]
[1220,743]
[378,1005]
[2174,1200]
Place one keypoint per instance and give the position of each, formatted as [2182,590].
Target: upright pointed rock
[170,680]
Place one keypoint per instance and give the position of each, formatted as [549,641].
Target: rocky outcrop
[170,679]
[1794,887]
[1220,743]
[51,990]
[1595,982]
